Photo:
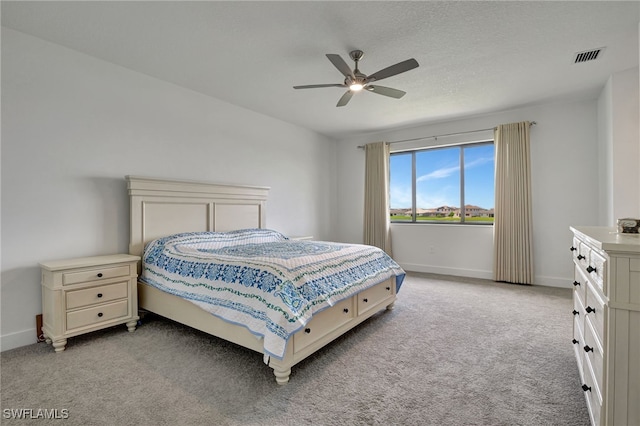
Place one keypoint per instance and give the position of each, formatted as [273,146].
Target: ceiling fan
[356,81]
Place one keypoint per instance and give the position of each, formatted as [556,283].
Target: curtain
[513,245]
[376,196]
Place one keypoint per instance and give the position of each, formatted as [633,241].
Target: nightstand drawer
[95,274]
[96,315]
[98,294]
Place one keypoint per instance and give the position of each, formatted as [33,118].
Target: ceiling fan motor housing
[356,55]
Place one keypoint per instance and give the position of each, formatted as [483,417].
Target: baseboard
[18,339]
[487,275]
[458,272]
[553,282]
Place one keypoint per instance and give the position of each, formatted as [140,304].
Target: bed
[185,223]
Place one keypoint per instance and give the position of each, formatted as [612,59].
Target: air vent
[587,55]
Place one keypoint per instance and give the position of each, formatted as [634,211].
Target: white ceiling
[475,57]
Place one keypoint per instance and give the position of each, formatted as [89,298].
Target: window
[452,184]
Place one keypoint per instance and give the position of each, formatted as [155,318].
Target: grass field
[399,218]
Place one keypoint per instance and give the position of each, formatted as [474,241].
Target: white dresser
[87,294]
[606,322]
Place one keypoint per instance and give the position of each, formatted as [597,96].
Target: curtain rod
[533,123]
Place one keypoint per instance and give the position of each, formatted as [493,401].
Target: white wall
[564,185]
[619,147]
[74,126]
[605,155]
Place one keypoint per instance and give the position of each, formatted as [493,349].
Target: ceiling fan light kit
[355,81]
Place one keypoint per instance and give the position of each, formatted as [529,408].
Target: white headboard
[161,207]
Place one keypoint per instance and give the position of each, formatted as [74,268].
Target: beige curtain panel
[513,240]
[376,196]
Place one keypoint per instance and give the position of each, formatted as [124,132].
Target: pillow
[189,241]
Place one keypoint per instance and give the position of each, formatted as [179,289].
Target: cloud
[439,173]
[445,172]
[478,162]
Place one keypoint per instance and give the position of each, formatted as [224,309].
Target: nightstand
[87,294]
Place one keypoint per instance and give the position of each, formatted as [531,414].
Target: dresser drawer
[97,314]
[592,394]
[323,323]
[95,274]
[580,283]
[597,269]
[582,254]
[574,246]
[372,297]
[98,294]
[578,314]
[578,342]
[592,349]
[595,310]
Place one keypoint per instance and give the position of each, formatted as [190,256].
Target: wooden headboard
[161,207]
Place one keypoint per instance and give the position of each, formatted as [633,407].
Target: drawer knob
[576,312]
[100,314]
[99,274]
[580,257]
[589,309]
[99,295]
[575,342]
[586,388]
[346,310]
[591,269]
[587,348]
[307,330]
[573,248]
[388,288]
[365,300]
[576,283]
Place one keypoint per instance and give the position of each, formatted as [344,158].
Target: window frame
[413,152]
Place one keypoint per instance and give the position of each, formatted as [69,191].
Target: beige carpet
[453,352]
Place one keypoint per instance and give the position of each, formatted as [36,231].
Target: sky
[438,177]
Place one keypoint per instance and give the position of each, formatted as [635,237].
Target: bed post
[282,368]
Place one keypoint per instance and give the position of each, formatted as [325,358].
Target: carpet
[454,351]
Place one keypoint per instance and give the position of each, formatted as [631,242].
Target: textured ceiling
[475,57]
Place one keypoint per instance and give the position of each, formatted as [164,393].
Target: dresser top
[608,238]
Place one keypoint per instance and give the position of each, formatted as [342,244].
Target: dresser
[87,294]
[606,322]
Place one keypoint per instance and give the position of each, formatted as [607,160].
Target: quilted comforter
[262,280]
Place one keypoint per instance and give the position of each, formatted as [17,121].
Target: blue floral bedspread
[262,280]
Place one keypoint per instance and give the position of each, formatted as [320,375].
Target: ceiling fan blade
[339,63]
[345,98]
[386,91]
[315,86]
[398,68]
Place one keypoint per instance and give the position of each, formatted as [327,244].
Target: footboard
[333,322]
